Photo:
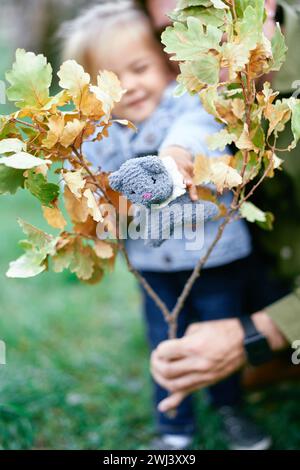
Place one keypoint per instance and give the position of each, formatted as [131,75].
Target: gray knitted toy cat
[156,184]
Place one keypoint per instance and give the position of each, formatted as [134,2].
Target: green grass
[77,363]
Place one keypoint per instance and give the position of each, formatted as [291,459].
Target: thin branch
[160,304]
[249,94]
[195,274]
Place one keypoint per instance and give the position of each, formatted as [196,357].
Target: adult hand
[209,352]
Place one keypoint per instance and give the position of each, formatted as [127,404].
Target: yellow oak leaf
[108,91]
[103,250]
[97,275]
[77,208]
[202,170]
[260,58]
[87,228]
[89,104]
[73,78]
[54,217]
[224,176]
[206,193]
[75,181]
[56,126]
[217,171]
[278,115]
[238,108]
[244,142]
[276,162]
[234,57]
[71,131]
[225,111]
[93,206]
[88,130]
[83,261]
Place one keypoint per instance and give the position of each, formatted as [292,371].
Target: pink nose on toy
[147,195]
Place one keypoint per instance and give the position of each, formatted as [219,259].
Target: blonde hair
[79,34]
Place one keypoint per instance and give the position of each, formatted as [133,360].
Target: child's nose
[128,83]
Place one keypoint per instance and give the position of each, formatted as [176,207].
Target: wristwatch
[256,344]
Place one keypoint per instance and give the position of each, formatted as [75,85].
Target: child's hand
[184,162]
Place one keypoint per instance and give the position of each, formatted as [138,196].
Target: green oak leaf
[188,42]
[253,214]
[259,138]
[209,97]
[250,27]
[30,80]
[207,69]
[240,7]
[12,145]
[219,4]
[188,79]
[220,139]
[28,265]
[82,263]
[62,259]
[279,49]
[207,16]
[10,180]
[37,239]
[37,249]
[295,108]
[182,4]
[268,223]
[23,161]
[252,167]
[41,189]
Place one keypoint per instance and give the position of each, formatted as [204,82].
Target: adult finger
[192,381]
[193,328]
[180,367]
[170,349]
[171,402]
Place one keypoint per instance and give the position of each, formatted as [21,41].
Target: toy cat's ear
[152,165]
[115,181]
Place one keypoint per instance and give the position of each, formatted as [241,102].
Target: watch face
[257,349]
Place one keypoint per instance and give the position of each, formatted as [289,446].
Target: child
[117,36]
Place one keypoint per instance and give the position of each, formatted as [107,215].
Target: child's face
[143,71]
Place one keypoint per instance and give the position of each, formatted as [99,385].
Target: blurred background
[77,374]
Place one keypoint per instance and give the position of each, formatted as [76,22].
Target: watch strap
[248,326]
[255,343]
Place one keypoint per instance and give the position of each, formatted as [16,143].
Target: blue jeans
[218,293]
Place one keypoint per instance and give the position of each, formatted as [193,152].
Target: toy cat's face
[143,180]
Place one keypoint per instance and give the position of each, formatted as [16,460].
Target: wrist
[266,326]
[235,337]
